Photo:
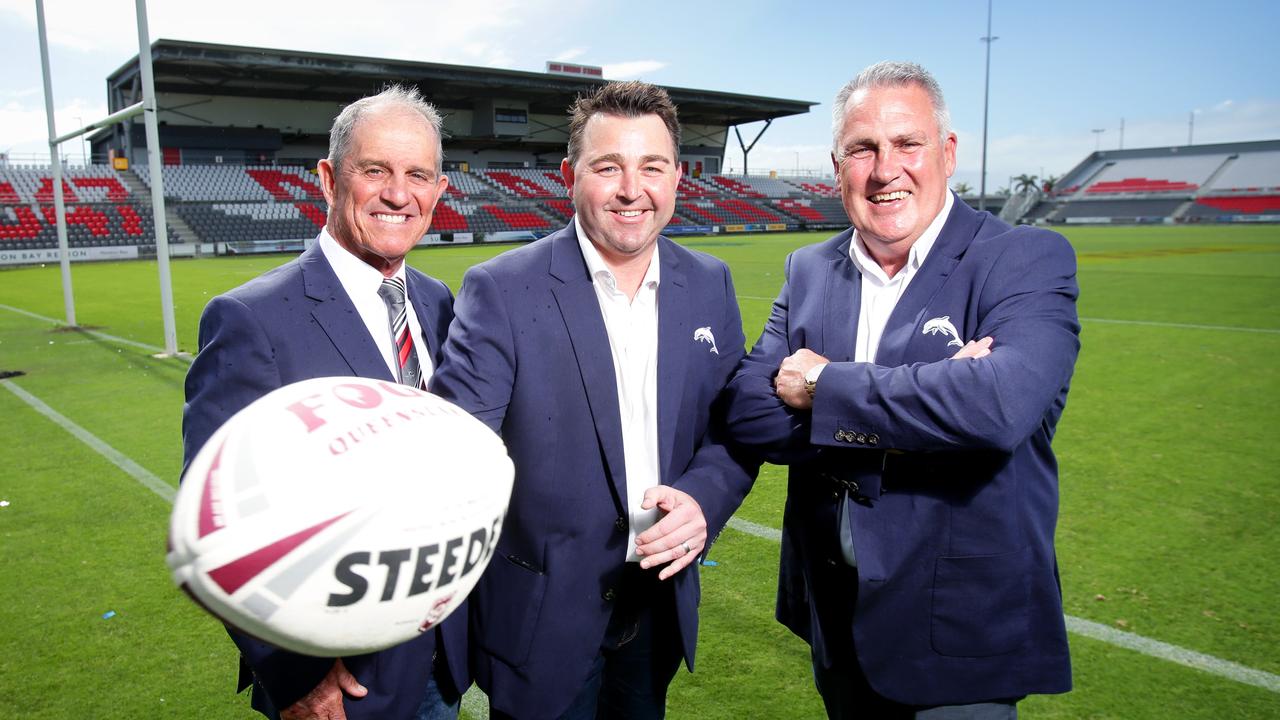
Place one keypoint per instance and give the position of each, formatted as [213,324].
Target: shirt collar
[919,249]
[354,273]
[598,270]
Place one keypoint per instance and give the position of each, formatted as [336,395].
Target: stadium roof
[228,70]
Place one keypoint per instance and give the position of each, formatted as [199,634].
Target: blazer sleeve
[755,414]
[478,365]
[235,366]
[1027,304]
[721,471]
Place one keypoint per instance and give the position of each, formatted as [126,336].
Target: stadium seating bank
[228,208]
[1228,182]
[258,208]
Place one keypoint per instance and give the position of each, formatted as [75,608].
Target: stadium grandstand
[1226,182]
[241,130]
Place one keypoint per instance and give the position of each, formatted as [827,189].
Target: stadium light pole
[986,106]
[1097,138]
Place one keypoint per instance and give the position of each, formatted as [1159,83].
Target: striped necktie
[393,294]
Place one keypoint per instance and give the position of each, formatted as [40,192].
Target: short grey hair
[894,74]
[401,96]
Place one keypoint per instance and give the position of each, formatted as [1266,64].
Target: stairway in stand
[179,230]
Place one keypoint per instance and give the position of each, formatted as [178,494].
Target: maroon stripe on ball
[211,520]
[235,574]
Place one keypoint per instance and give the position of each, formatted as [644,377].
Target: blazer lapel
[675,342]
[908,315]
[581,312]
[428,316]
[334,312]
[841,304]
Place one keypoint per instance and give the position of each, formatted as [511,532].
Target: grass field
[1170,489]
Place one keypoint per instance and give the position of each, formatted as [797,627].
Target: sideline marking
[1149,323]
[1181,326]
[476,703]
[94,333]
[117,458]
[1111,636]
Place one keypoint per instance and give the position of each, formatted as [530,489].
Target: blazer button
[608,595]
[620,524]
[853,486]
[872,438]
[861,438]
[839,436]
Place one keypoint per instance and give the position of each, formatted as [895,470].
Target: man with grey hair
[917,547]
[349,305]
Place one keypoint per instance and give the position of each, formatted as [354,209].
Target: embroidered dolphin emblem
[703,334]
[943,325]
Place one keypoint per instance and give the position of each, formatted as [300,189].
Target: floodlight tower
[986,105]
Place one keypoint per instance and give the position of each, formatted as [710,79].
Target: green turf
[1170,490]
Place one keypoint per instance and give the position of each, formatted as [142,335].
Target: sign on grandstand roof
[556,67]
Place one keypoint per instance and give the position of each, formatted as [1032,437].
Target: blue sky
[1058,70]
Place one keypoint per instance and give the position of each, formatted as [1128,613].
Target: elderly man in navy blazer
[341,309]
[912,373]
[599,354]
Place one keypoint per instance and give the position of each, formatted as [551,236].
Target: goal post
[146,108]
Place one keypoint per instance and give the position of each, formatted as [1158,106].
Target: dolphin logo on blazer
[703,334]
[943,325]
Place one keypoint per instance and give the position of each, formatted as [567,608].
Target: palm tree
[1025,183]
[1050,181]
[963,188]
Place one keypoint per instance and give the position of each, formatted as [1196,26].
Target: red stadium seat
[275,181]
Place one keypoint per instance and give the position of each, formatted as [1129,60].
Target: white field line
[1111,636]
[1148,323]
[475,703]
[136,471]
[1182,326]
[100,335]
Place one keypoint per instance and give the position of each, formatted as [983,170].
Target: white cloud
[570,54]
[632,69]
[26,135]
[465,31]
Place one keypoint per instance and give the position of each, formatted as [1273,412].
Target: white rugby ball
[339,516]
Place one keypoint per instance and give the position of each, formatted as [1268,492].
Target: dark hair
[632,98]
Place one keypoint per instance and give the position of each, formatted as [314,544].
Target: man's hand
[789,384]
[324,702]
[974,350]
[676,538]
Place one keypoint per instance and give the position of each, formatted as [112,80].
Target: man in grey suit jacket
[322,315]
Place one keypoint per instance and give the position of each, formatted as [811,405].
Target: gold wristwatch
[811,379]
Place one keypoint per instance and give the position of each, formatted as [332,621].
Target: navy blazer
[529,355]
[949,463]
[294,323]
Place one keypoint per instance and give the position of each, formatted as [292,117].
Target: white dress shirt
[880,293]
[361,283]
[879,296]
[632,325]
